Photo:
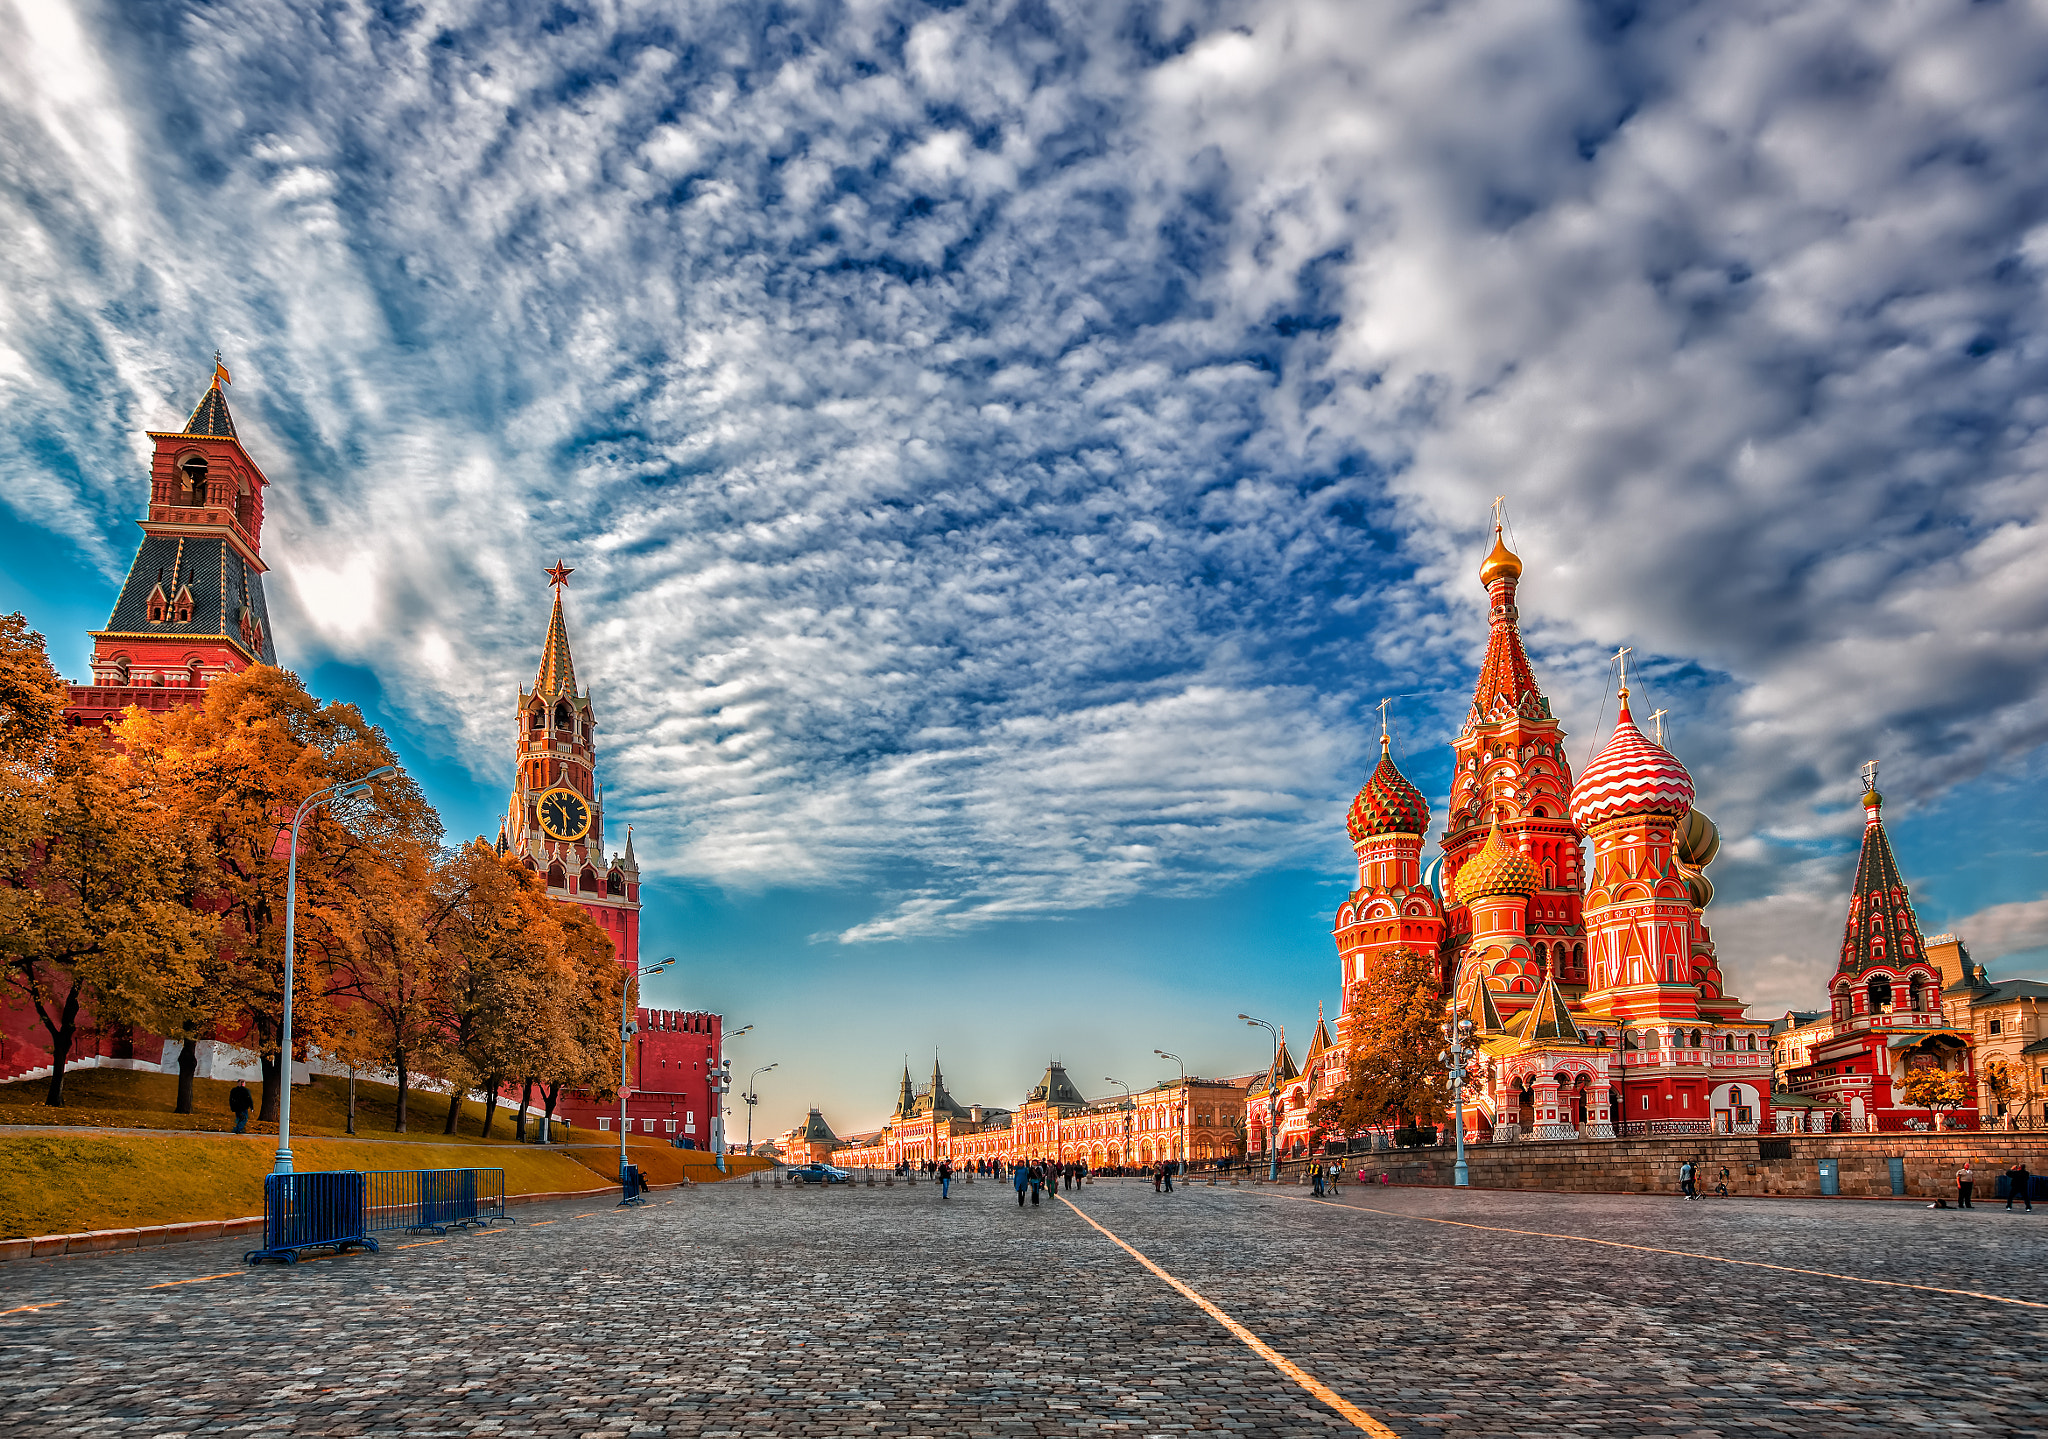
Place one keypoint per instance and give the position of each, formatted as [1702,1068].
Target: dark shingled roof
[222,582]
[211,417]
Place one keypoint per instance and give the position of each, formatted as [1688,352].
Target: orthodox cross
[1383,717]
[1870,774]
[559,575]
[1657,719]
[1621,658]
[1500,511]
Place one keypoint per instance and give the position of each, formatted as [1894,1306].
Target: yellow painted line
[582,1216]
[422,1244]
[1680,1253]
[1357,1416]
[200,1280]
[32,1308]
[539,1222]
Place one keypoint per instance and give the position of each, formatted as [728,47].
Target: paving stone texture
[732,1311]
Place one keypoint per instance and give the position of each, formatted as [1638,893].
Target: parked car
[818,1174]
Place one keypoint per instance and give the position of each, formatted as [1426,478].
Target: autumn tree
[504,979]
[382,970]
[1935,1089]
[32,697]
[581,1048]
[1393,1026]
[2001,1084]
[235,769]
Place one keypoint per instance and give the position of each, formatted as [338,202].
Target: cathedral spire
[557,675]
[1506,683]
[1881,927]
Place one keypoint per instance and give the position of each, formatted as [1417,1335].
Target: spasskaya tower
[555,822]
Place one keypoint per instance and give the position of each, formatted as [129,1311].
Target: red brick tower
[192,607]
[555,821]
[1512,773]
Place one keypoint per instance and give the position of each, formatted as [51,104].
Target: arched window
[1880,993]
[563,719]
[615,883]
[538,718]
[194,469]
[589,882]
[245,506]
[1695,1039]
[556,878]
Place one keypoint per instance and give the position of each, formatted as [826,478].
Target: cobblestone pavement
[729,1310]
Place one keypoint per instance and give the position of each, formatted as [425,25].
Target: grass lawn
[60,1183]
[138,1099]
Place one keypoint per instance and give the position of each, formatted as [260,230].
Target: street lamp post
[1123,1160]
[753,1099]
[721,1085]
[1458,1032]
[345,789]
[1180,1131]
[627,1029]
[1272,1097]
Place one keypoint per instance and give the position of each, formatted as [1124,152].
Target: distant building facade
[1191,1120]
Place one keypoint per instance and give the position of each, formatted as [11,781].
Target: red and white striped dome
[1632,774]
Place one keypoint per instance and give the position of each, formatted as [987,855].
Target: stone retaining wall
[1650,1166]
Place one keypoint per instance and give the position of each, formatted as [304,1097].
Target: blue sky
[1007,449]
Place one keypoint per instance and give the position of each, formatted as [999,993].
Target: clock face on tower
[564,814]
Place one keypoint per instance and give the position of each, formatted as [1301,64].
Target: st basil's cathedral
[1591,978]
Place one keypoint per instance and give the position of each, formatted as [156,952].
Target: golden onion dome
[1498,868]
[1503,563]
[1699,839]
[1872,799]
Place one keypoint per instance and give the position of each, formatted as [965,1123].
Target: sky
[1008,450]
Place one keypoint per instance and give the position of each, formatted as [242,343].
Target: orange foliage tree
[234,769]
[1393,1028]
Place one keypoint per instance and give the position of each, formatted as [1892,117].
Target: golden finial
[1502,563]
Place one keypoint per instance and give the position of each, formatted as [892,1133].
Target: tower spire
[557,675]
[1881,928]
[1506,683]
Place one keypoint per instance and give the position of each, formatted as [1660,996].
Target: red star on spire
[559,575]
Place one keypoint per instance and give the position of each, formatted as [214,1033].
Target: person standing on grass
[1966,1185]
[240,1102]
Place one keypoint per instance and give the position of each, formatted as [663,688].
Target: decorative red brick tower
[1512,775]
[192,607]
[555,821]
[554,824]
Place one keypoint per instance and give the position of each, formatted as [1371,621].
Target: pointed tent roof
[1282,1071]
[557,677]
[906,1096]
[1881,927]
[941,1102]
[1506,683]
[1488,1017]
[1320,1043]
[817,1131]
[1056,1088]
[1550,1018]
[210,416]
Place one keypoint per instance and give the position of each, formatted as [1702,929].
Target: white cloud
[1013,446]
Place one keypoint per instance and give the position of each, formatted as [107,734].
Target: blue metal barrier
[433,1201]
[312,1211]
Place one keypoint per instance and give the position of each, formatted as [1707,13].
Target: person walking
[1037,1180]
[2021,1187]
[1315,1180]
[1686,1173]
[1017,1179]
[1966,1185]
[240,1102]
[1166,1172]
[945,1179]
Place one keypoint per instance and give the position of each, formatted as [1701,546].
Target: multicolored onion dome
[1498,868]
[1502,563]
[1699,839]
[1632,774]
[1388,804]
